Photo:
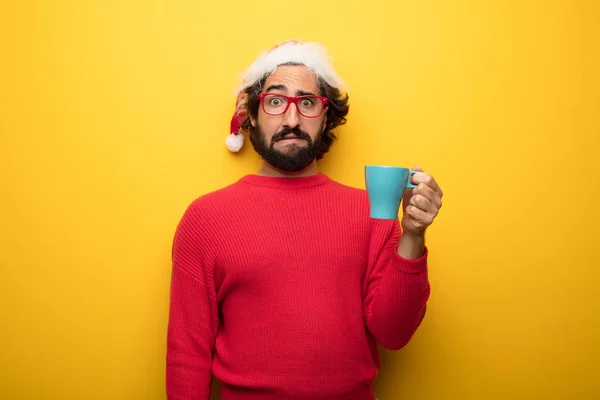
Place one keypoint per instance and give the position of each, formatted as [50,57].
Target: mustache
[299,133]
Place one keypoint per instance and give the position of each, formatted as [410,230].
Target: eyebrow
[275,87]
[303,93]
[282,87]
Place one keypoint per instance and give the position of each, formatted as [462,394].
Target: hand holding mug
[419,193]
[421,203]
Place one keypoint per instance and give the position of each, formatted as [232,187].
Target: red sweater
[282,288]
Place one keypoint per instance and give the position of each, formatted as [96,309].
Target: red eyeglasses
[310,106]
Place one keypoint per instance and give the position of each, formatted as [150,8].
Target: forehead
[293,77]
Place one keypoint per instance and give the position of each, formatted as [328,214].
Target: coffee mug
[385,187]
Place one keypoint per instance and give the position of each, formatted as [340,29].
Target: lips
[290,136]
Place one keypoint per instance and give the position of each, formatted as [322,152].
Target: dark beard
[297,158]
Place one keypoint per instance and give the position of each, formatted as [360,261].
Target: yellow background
[113,116]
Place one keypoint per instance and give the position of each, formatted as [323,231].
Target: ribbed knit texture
[282,288]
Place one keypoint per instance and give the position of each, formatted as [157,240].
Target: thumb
[417,168]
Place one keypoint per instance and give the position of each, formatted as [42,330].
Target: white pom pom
[234,142]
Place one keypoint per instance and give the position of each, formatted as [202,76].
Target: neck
[269,170]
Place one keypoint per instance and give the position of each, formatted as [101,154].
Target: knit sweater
[282,288]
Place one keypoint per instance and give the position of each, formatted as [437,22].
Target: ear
[252,121]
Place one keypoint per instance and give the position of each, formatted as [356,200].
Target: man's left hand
[421,204]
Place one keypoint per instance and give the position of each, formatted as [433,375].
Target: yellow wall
[113,116]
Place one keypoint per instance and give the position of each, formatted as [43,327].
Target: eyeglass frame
[293,100]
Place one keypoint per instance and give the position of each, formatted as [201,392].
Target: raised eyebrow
[303,93]
[276,87]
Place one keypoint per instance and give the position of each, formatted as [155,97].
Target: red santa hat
[312,55]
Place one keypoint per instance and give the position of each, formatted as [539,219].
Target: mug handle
[409,184]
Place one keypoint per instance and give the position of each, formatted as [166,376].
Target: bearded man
[282,284]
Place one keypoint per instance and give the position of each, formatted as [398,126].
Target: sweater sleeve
[193,316]
[397,288]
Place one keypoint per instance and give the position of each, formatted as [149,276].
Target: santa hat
[312,55]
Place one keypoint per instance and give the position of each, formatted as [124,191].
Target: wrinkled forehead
[291,79]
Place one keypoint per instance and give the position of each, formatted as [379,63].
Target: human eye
[276,101]
[307,102]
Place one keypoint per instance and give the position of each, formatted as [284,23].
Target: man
[282,285]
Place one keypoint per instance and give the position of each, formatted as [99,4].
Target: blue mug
[385,188]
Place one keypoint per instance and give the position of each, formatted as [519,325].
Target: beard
[296,157]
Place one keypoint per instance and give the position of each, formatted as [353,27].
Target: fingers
[426,179]
[429,194]
[423,203]
[421,218]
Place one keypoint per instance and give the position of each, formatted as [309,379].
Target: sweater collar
[286,183]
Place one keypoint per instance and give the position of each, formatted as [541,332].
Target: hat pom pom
[234,141]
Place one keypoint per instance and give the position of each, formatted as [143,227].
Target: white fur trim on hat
[312,55]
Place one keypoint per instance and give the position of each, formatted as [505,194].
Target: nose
[291,117]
